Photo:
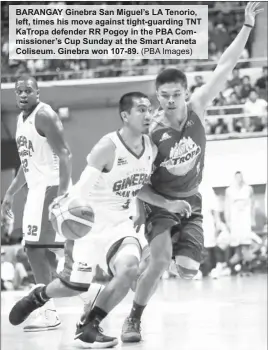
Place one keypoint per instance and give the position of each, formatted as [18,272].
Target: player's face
[171,97]
[239,178]
[140,115]
[27,95]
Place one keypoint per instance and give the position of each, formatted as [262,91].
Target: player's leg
[72,281]
[159,237]
[40,264]
[188,250]
[39,236]
[124,264]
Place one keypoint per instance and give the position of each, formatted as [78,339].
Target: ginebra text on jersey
[133,180]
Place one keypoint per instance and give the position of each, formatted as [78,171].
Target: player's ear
[124,116]
[187,94]
[37,94]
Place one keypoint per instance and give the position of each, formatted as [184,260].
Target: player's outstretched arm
[205,94]
[17,183]
[49,124]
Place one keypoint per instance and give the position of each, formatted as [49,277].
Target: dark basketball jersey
[179,163]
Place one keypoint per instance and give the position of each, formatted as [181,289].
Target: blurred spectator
[245,88]
[233,100]
[221,127]
[7,272]
[256,110]
[15,274]
[208,127]
[213,53]
[199,81]
[262,83]
[236,80]
[235,124]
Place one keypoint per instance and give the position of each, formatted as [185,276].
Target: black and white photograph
[134,175]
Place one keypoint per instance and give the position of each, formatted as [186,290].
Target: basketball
[72,217]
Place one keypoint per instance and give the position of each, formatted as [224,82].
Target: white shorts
[112,236]
[240,235]
[37,229]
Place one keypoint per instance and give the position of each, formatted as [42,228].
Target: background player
[116,169]
[46,168]
[240,217]
[179,134]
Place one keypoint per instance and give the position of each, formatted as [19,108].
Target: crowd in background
[240,96]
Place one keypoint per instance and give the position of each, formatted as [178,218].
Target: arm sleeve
[87,182]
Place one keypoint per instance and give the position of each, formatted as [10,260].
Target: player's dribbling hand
[55,204]
[251,10]
[179,207]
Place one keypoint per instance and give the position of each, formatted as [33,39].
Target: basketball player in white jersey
[46,169]
[239,216]
[117,167]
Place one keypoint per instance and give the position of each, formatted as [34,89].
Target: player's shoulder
[106,143]
[45,111]
[104,148]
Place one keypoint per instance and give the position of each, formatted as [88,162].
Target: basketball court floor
[225,314]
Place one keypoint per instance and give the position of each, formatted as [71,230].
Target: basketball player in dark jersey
[179,134]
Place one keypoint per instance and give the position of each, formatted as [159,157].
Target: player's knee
[128,271]
[186,273]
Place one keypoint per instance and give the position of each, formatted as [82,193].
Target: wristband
[248,25]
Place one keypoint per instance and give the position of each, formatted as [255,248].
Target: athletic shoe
[24,307]
[90,336]
[46,320]
[131,331]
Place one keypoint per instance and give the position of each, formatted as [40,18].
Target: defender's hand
[138,221]
[251,10]
[179,207]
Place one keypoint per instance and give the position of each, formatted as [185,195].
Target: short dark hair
[126,101]
[238,172]
[26,77]
[171,75]
[252,90]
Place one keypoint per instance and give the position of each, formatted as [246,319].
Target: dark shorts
[187,233]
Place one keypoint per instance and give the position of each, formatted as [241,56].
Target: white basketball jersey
[116,189]
[240,206]
[39,163]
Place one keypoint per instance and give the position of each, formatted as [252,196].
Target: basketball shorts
[37,229]
[240,232]
[187,233]
[111,237]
